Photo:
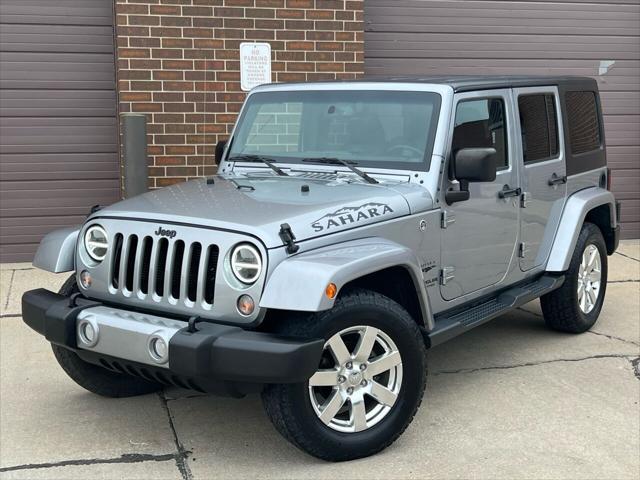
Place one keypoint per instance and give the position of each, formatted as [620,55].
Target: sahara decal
[348,215]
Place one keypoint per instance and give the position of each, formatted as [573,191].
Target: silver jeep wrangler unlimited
[351,226]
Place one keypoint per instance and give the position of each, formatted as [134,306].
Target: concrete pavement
[510,400]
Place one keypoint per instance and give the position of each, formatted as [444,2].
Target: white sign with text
[255,65]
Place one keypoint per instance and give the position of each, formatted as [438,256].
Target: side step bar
[452,323]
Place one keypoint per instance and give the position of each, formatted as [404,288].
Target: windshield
[382,129]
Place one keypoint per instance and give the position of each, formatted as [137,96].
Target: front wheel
[368,386]
[575,306]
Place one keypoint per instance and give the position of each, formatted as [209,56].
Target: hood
[259,205]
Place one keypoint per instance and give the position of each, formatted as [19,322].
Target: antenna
[204,113]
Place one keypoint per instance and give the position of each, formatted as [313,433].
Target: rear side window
[539,126]
[584,124]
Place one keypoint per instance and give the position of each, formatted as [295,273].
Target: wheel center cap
[354,378]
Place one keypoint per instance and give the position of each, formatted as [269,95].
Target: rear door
[544,180]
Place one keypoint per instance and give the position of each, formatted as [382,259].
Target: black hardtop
[466,83]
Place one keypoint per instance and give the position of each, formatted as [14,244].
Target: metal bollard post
[134,140]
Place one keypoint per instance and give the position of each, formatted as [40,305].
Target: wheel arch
[348,265]
[595,205]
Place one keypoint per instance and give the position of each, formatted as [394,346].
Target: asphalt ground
[510,399]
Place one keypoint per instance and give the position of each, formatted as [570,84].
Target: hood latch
[288,238]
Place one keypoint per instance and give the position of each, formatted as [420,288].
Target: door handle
[556,180]
[509,192]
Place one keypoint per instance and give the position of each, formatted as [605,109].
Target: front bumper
[215,358]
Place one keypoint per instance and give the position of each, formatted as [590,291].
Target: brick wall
[178,62]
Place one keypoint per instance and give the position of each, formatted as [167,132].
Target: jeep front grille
[163,269]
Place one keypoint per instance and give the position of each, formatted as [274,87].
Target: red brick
[177,43]
[327,36]
[177,64]
[269,24]
[300,45]
[333,46]
[169,160]
[184,171]
[229,12]
[166,32]
[175,21]
[280,13]
[197,11]
[259,34]
[330,4]
[143,20]
[146,107]
[135,75]
[321,14]
[207,43]
[178,86]
[240,3]
[180,128]
[208,22]
[291,77]
[143,42]
[198,32]
[270,3]
[180,150]
[167,182]
[290,35]
[123,8]
[132,31]
[166,53]
[300,4]
[300,67]
[319,56]
[168,75]
[148,86]
[330,67]
[135,96]
[133,52]
[239,22]
[168,117]
[165,10]
[168,97]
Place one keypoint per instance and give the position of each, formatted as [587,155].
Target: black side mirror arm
[462,195]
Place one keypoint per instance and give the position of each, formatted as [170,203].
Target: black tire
[289,406]
[561,307]
[93,378]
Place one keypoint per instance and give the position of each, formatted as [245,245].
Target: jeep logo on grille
[165,233]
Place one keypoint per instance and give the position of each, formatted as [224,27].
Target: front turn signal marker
[331,291]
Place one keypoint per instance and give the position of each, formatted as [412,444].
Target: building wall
[599,39]
[178,62]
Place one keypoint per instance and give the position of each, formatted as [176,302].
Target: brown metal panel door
[58,130]
[536,37]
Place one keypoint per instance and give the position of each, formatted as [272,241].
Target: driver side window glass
[480,123]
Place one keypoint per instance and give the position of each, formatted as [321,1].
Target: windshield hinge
[288,238]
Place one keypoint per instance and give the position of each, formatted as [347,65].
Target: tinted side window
[584,125]
[481,124]
[539,125]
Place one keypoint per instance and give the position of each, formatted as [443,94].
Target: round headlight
[96,242]
[246,263]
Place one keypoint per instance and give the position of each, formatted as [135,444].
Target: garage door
[597,39]
[57,118]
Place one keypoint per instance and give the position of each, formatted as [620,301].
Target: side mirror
[472,165]
[220,146]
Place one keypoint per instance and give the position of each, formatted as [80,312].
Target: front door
[480,234]
[544,173]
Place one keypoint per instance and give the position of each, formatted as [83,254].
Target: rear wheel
[93,378]
[576,305]
[368,386]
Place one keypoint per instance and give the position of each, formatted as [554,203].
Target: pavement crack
[528,364]
[13,274]
[629,257]
[124,458]
[182,453]
[635,363]
[10,315]
[613,337]
[623,281]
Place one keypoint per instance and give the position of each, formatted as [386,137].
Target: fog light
[85,279]
[158,349]
[88,333]
[246,304]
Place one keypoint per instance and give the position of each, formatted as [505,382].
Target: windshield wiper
[338,161]
[258,158]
